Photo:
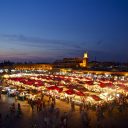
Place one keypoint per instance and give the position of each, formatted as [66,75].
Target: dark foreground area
[59,116]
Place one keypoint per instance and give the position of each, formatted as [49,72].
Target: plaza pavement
[114,120]
[29,117]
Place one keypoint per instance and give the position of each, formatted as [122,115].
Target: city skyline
[44,31]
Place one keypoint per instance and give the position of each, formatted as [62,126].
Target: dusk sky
[46,30]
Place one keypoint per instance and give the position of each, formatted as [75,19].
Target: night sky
[46,30]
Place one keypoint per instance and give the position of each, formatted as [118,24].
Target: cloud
[37,41]
[100,42]
[30,40]
[21,47]
[40,44]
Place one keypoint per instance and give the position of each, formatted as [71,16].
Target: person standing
[32,105]
[72,106]
[1,121]
[19,107]
[44,105]
[42,97]
[81,107]
[0,95]
[19,110]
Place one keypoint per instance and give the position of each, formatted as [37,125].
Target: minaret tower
[85,59]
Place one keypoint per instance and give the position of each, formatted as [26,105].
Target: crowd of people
[50,114]
[52,117]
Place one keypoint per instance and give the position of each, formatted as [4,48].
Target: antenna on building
[95,58]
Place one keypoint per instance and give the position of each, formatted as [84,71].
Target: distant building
[77,62]
[32,66]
